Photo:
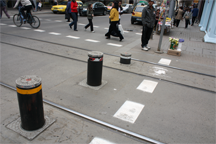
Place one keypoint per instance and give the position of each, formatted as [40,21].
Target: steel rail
[211,91]
[74,47]
[93,119]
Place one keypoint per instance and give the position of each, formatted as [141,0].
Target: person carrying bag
[90,15]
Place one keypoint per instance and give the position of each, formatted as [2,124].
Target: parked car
[127,8]
[137,14]
[98,8]
[61,7]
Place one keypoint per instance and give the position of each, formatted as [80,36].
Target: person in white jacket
[187,17]
[26,5]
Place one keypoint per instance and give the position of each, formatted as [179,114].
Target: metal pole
[162,32]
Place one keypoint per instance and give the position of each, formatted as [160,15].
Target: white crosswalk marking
[74,37]
[106,28]
[58,21]
[139,33]
[38,30]
[2,24]
[129,111]
[54,33]
[26,28]
[12,25]
[112,44]
[96,26]
[47,19]
[126,31]
[80,24]
[90,40]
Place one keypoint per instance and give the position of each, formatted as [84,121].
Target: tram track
[84,49]
[94,120]
[126,71]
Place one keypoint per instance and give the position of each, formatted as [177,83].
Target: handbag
[187,17]
[121,29]
[67,16]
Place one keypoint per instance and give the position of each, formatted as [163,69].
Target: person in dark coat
[90,15]
[68,11]
[195,14]
[3,8]
[148,21]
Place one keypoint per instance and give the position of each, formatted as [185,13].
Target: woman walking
[114,17]
[3,8]
[90,15]
[187,17]
[74,15]
[179,16]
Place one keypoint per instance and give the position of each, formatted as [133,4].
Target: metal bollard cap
[28,81]
[126,54]
[95,54]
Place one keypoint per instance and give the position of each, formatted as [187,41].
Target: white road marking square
[12,25]
[96,26]
[58,21]
[54,33]
[2,24]
[164,61]
[139,33]
[80,24]
[97,140]
[147,86]
[112,44]
[38,30]
[74,37]
[90,40]
[25,28]
[129,111]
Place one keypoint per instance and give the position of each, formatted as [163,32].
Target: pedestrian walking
[195,13]
[3,8]
[68,11]
[179,16]
[90,15]
[148,22]
[74,15]
[120,10]
[114,18]
[39,5]
[187,16]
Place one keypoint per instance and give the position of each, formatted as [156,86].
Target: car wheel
[105,12]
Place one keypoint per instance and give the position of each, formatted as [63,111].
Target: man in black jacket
[148,21]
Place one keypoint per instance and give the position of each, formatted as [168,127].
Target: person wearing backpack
[3,8]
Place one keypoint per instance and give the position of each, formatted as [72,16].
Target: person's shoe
[108,37]
[85,28]
[148,47]
[192,25]
[93,31]
[145,49]
[75,30]
[70,26]
[121,39]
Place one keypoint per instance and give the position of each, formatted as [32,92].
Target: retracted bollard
[125,58]
[29,93]
[95,65]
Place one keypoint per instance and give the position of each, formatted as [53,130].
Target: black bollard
[30,99]
[95,65]
[125,58]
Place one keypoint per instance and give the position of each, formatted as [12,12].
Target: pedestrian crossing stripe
[54,33]
[74,37]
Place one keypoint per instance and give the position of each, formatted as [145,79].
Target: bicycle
[32,20]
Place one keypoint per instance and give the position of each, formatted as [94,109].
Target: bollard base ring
[30,135]
[84,84]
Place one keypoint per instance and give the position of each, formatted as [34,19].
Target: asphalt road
[179,106]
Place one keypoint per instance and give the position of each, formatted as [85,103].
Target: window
[139,9]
